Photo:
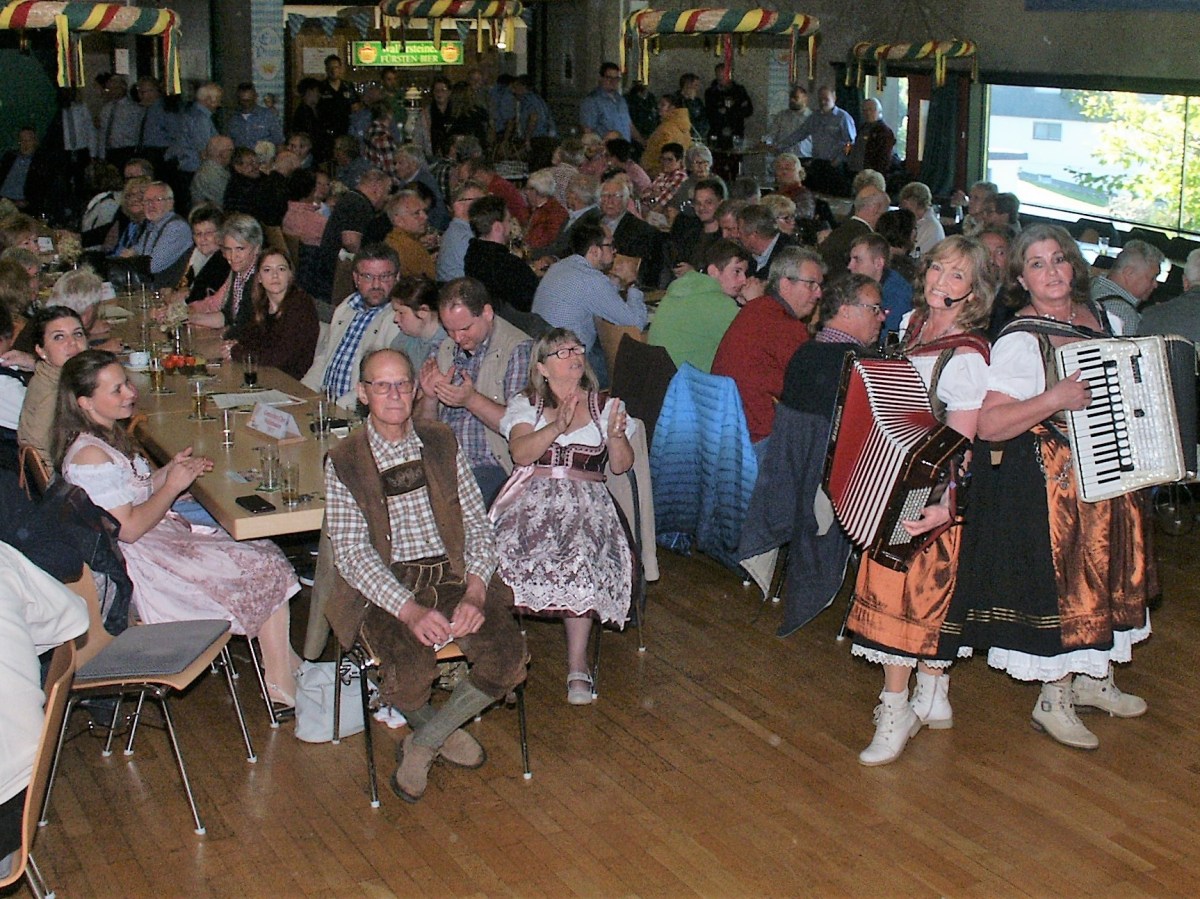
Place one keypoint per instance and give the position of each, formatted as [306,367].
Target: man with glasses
[787,498]
[632,236]
[361,323]
[604,110]
[586,286]
[167,239]
[411,537]
[760,342]
[869,256]
[468,381]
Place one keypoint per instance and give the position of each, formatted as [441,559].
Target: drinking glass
[199,402]
[157,373]
[268,468]
[289,483]
[250,371]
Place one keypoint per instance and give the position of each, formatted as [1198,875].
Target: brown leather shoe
[463,750]
[411,777]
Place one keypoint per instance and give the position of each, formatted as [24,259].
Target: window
[1133,158]
[1047,131]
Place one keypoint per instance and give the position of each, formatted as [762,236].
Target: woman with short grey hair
[230,307]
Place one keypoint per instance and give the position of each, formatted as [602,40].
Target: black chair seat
[153,650]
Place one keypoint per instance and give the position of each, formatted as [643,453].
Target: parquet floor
[719,763]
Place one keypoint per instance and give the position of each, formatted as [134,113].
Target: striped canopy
[939,51]
[501,13]
[644,27]
[70,19]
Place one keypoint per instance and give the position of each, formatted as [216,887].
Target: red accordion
[887,454]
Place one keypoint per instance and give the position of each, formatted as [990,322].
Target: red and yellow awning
[643,28]
[71,19]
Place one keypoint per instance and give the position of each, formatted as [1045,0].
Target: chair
[343,280]
[273,238]
[292,244]
[610,339]
[33,469]
[641,377]
[151,659]
[58,687]
[357,656]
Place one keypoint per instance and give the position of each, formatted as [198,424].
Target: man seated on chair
[36,614]
[416,559]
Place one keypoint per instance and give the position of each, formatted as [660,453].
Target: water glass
[250,371]
[268,468]
[1103,244]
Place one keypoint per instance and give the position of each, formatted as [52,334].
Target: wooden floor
[722,762]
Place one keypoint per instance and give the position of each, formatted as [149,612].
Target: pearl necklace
[1070,319]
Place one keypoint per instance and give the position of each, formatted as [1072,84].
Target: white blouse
[521,410]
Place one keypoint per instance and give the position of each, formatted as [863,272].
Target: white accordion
[1140,428]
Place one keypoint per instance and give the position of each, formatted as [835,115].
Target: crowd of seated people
[321,246]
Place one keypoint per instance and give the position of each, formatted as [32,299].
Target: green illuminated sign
[411,53]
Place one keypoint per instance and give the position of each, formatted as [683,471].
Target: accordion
[887,454]
[1140,428]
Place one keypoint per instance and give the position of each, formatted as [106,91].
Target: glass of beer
[250,372]
[289,483]
[157,373]
[199,402]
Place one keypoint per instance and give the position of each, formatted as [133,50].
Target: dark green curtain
[941,137]
[848,98]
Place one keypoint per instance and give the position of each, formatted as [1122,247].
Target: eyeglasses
[876,308]
[566,352]
[606,246]
[383,388]
[785,218]
[146,199]
[811,282]
[376,279]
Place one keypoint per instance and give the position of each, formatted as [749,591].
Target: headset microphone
[950,301]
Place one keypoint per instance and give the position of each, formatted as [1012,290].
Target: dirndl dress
[563,548]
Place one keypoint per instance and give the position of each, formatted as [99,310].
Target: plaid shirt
[339,376]
[414,530]
[469,430]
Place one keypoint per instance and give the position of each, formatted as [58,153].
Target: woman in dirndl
[897,617]
[562,545]
[1055,588]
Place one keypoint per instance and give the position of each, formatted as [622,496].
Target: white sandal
[580,695]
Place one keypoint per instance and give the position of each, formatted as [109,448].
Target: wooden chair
[273,238]
[151,660]
[58,688]
[292,244]
[610,339]
[33,469]
[343,281]
[358,657]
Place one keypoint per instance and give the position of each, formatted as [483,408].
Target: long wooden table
[167,429]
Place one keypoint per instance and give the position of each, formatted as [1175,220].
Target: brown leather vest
[356,468]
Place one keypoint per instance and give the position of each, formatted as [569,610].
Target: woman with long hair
[283,328]
[1056,589]
[897,617]
[180,572]
[561,543]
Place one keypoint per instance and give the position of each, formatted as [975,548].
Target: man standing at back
[605,110]
[832,131]
[1182,314]
[468,382]
[344,233]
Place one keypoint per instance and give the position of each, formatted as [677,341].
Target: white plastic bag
[314,702]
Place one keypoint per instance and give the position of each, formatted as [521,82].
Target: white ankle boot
[895,723]
[1105,695]
[931,701]
[1054,714]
